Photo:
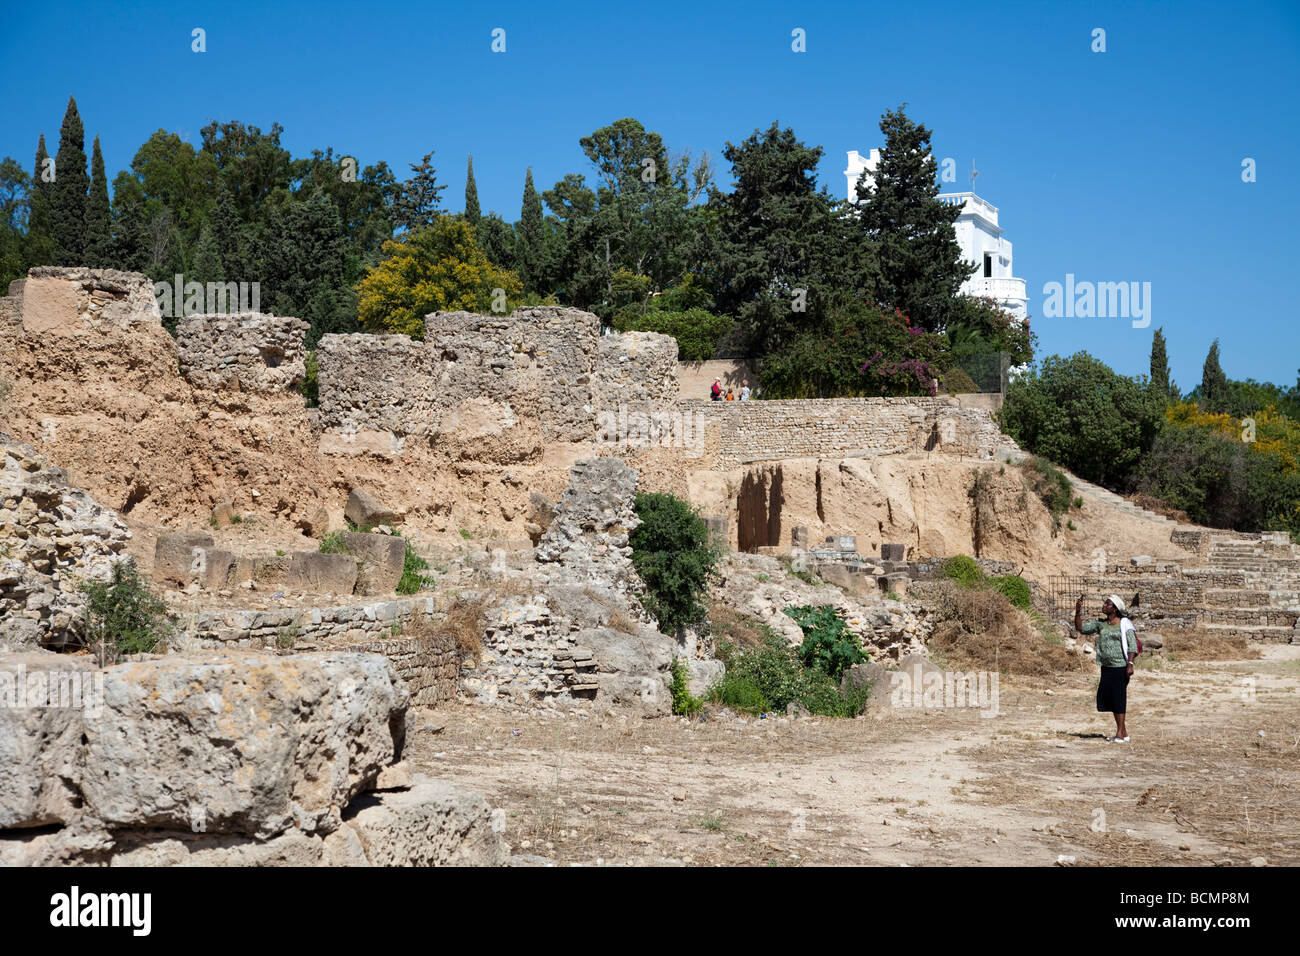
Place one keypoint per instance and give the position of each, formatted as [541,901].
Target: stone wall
[807,428]
[379,383]
[637,370]
[249,350]
[60,300]
[428,663]
[52,538]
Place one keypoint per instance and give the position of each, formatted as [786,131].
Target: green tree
[496,238]
[672,554]
[15,188]
[780,246]
[530,248]
[1078,413]
[99,214]
[303,266]
[71,184]
[472,214]
[438,268]
[417,205]
[1162,387]
[1214,383]
[41,247]
[206,265]
[920,261]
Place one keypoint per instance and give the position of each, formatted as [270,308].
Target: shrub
[684,703]
[771,676]
[827,644]
[123,615]
[957,382]
[1014,589]
[414,578]
[310,381]
[671,553]
[1051,485]
[332,543]
[964,570]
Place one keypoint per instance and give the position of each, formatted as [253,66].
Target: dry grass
[981,629]
[728,625]
[1159,507]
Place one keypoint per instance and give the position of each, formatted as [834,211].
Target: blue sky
[1115,166]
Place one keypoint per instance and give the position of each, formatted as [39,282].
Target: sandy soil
[1212,777]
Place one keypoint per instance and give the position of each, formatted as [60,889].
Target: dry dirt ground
[1212,777]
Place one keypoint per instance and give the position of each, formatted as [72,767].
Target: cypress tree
[206,266]
[530,235]
[920,261]
[71,184]
[1161,387]
[99,214]
[1214,383]
[472,213]
[41,250]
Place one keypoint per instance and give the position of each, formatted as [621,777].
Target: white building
[978,234]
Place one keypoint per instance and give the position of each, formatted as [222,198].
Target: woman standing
[1116,647]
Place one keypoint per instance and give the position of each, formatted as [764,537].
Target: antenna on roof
[973,173]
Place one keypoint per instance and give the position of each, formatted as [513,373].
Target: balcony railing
[974,205]
[1000,289]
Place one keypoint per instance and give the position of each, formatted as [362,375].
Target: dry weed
[1198,644]
[981,629]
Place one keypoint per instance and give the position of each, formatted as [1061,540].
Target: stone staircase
[1267,606]
[1091,493]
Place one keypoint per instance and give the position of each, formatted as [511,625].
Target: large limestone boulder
[245,743]
[180,557]
[633,669]
[366,511]
[380,558]
[434,823]
[40,745]
[322,573]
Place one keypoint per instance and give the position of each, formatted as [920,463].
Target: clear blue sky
[1115,166]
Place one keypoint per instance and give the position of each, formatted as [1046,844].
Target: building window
[988,265]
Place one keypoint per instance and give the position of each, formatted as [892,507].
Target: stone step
[1253,616]
[1231,597]
[1279,635]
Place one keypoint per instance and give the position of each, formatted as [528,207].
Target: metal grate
[988,370]
[1063,590]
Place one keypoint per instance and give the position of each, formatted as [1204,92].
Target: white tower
[978,234]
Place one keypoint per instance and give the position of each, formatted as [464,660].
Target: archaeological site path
[1211,778]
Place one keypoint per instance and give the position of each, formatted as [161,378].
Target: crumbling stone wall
[56,299]
[52,537]
[254,352]
[807,428]
[379,383]
[637,370]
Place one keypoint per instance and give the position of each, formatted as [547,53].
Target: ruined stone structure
[53,538]
[249,351]
[637,370]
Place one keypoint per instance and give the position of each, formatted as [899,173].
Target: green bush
[957,382]
[671,553]
[1014,589]
[310,381]
[827,644]
[1051,485]
[771,676]
[963,569]
[414,579]
[123,615]
[684,703]
[332,543]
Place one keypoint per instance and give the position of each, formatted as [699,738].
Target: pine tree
[920,261]
[530,236]
[206,265]
[71,184]
[1214,383]
[417,205]
[472,213]
[41,249]
[1161,387]
[99,214]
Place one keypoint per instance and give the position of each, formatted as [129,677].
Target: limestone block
[380,558]
[322,573]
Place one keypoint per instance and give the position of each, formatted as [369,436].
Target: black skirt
[1112,691]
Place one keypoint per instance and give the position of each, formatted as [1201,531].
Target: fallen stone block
[380,558]
[179,557]
[366,511]
[434,823]
[250,743]
[322,573]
